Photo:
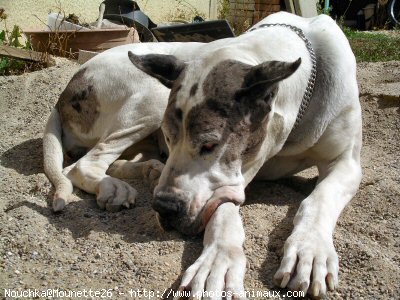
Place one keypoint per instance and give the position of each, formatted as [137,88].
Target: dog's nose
[167,205]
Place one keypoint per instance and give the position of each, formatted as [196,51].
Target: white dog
[267,104]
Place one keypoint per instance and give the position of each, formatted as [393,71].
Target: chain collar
[311,80]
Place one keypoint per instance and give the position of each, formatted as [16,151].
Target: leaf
[3,65]
[14,37]
[2,36]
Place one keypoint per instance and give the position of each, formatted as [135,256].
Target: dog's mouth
[224,194]
[212,206]
[234,194]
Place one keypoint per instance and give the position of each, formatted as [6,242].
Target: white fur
[329,137]
[132,105]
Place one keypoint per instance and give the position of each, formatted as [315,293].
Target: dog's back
[335,87]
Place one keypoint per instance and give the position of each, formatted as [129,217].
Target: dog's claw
[330,282]
[58,204]
[285,280]
[316,287]
[152,171]
[303,287]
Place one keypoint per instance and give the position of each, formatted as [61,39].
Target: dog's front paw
[218,273]
[152,171]
[113,193]
[308,254]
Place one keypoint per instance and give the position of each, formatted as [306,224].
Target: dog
[265,105]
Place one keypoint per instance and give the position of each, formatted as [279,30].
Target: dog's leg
[149,170]
[222,264]
[89,173]
[309,252]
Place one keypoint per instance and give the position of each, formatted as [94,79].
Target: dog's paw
[119,169]
[152,171]
[114,193]
[218,273]
[308,254]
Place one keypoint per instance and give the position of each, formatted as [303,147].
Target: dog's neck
[311,80]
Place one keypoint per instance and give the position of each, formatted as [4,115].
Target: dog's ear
[260,85]
[270,72]
[261,80]
[166,68]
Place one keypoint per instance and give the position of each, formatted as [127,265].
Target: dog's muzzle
[172,212]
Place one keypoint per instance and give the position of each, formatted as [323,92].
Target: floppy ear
[166,68]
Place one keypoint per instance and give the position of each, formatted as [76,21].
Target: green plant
[13,38]
[321,9]
[184,12]
[223,9]
[237,15]
[373,46]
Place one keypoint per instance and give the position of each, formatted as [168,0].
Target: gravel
[86,248]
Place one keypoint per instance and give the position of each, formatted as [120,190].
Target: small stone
[97,255]
[17,272]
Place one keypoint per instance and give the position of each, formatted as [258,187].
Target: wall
[21,12]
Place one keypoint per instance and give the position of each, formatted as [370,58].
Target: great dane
[274,101]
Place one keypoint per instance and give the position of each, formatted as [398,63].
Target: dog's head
[214,126]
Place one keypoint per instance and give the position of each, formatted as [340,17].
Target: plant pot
[67,43]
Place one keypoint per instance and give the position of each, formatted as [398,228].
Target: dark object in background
[394,12]
[206,31]
[128,12]
[351,8]
[360,21]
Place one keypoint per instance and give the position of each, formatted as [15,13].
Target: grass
[374,46]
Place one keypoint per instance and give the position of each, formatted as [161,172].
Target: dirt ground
[86,248]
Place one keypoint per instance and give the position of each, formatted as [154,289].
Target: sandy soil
[86,248]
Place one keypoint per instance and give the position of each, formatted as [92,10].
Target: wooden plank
[69,42]
[23,54]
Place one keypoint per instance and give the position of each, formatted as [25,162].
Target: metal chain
[311,80]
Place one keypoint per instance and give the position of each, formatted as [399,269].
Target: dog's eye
[207,148]
[167,139]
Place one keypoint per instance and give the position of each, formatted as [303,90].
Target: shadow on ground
[285,192]
[25,158]
[139,225]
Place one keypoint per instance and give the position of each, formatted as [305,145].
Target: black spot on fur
[233,92]
[193,89]
[178,114]
[166,68]
[77,107]
[78,103]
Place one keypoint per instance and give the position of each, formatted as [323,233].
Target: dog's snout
[172,207]
[167,205]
